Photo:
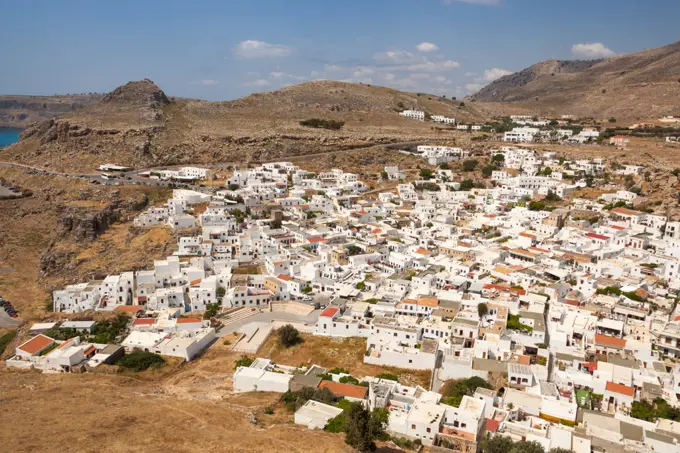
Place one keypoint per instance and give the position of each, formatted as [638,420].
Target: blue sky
[225,49]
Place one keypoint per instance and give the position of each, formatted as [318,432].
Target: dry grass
[329,353]
[109,413]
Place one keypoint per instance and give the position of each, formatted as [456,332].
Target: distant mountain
[637,85]
[19,111]
[137,124]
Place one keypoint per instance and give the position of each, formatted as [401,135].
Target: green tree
[354,250]
[487,170]
[444,166]
[524,446]
[498,158]
[497,444]
[644,410]
[426,173]
[482,310]
[141,360]
[469,164]
[384,175]
[362,428]
[289,336]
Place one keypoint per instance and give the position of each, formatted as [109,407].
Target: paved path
[7,321]
[269,317]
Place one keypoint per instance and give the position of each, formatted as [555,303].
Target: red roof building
[614,342]
[329,312]
[346,390]
[620,388]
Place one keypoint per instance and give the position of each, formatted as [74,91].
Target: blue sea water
[8,136]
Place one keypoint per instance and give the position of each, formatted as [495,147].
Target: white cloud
[432,66]
[205,82]
[427,47]
[333,68]
[591,51]
[476,2]
[259,49]
[283,75]
[495,73]
[400,57]
[473,87]
[420,75]
[389,76]
[258,83]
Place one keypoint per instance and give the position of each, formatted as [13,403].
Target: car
[307,298]
[13,315]
[317,306]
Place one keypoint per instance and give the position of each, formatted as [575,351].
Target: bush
[349,380]
[289,336]
[141,360]
[426,173]
[108,331]
[323,124]
[244,361]
[339,370]
[388,376]
[455,390]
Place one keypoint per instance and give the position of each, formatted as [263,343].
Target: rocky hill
[138,125]
[20,111]
[633,86]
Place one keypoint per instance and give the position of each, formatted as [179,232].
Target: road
[135,178]
[269,317]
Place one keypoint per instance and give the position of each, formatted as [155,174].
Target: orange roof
[620,388]
[422,251]
[610,341]
[527,235]
[350,390]
[36,344]
[428,301]
[329,312]
[90,350]
[188,320]
[144,321]
[314,240]
[65,343]
[624,211]
[492,425]
[376,231]
[195,282]
[129,308]
[284,277]
[617,227]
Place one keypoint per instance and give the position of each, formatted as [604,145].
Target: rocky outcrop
[140,93]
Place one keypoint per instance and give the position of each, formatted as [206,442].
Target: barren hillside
[138,125]
[633,86]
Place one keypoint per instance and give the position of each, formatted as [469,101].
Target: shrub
[323,124]
[338,370]
[6,339]
[269,410]
[349,380]
[244,361]
[388,376]
[426,173]
[289,336]
[141,360]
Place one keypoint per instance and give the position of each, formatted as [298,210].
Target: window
[413,426]
[429,430]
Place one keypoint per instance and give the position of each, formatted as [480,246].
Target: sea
[8,135]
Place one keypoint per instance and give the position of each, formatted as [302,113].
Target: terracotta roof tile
[350,390]
[36,344]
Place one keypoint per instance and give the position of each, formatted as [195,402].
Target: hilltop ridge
[633,86]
